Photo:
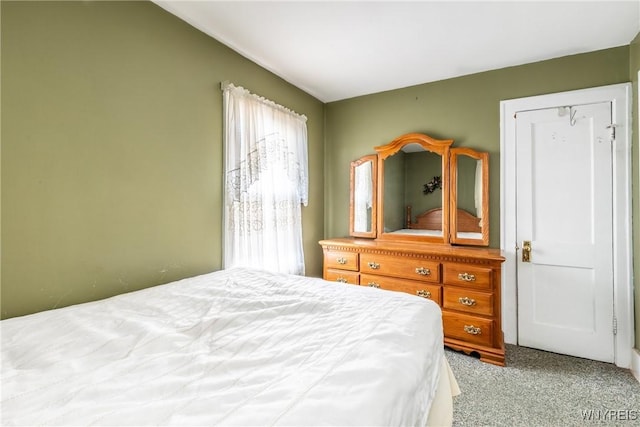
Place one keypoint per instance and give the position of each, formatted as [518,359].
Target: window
[266,181]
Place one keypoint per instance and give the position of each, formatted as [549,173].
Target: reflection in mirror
[469,201]
[363,198]
[470,185]
[424,170]
[362,213]
[413,172]
[406,175]
[393,192]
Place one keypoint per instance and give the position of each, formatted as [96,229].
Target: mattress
[418,232]
[437,233]
[233,347]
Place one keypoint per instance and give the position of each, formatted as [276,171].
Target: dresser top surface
[415,248]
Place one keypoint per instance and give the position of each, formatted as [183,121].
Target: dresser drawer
[412,287]
[342,260]
[408,268]
[469,276]
[467,328]
[467,301]
[342,276]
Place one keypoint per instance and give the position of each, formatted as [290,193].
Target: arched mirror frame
[374,194]
[456,220]
[437,146]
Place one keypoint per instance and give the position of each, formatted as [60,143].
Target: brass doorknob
[526,251]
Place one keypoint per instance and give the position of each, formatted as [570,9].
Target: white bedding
[234,347]
[437,233]
[418,232]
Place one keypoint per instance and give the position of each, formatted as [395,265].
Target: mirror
[418,188]
[469,197]
[413,191]
[363,206]
[412,183]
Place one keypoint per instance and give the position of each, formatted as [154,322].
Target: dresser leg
[490,355]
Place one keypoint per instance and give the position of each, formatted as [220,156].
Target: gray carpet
[538,388]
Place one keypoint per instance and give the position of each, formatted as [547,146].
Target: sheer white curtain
[266,181]
[363,198]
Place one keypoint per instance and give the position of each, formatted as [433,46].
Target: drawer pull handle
[423,293]
[341,280]
[473,330]
[373,285]
[423,271]
[466,277]
[341,261]
[373,265]
[467,301]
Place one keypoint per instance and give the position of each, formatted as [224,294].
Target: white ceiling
[336,50]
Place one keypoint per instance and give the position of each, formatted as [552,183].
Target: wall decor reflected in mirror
[362,205]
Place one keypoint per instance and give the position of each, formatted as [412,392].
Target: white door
[564,209]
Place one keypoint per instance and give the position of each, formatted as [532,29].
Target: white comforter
[234,347]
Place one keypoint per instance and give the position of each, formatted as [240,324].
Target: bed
[232,347]
[429,223]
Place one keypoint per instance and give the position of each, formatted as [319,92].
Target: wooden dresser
[464,281]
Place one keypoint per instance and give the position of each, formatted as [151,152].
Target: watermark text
[610,415]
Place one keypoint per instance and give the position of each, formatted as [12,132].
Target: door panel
[564,208]
[570,305]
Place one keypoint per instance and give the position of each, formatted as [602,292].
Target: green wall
[112,150]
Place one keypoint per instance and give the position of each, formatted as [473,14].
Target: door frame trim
[620,97]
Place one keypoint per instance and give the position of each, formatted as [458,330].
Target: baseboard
[635,363]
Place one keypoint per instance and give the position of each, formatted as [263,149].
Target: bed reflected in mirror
[363,206]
